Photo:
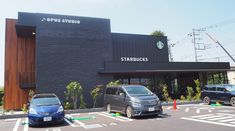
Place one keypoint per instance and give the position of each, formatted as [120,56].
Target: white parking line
[26,126]
[75,114]
[187,109]
[211,122]
[209,110]
[128,119]
[226,114]
[221,118]
[107,115]
[80,123]
[203,115]
[198,111]
[10,119]
[228,120]
[168,108]
[70,123]
[17,125]
[210,117]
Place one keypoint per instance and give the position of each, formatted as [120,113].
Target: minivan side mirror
[122,94]
[28,104]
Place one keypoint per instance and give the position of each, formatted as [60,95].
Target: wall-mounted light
[33,33]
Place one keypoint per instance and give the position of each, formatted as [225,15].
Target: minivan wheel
[232,101]
[108,108]
[129,112]
[207,100]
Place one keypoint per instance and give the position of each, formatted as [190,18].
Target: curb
[92,110]
[181,103]
[66,112]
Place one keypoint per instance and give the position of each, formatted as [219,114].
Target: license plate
[151,109]
[47,118]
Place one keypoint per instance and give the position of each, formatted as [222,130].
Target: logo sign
[134,59]
[59,20]
[160,45]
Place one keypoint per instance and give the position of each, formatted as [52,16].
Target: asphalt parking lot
[193,117]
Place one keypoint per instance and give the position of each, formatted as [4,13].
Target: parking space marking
[202,115]
[211,122]
[198,111]
[10,119]
[228,120]
[122,117]
[221,118]
[107,115]
[26,126]
[75,114]
[210,117]
[187,109]
[217,118]
[125,118]
[17,125]
[70,123]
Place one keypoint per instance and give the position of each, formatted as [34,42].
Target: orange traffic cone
[174,105]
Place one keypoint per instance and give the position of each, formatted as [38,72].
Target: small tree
[190,93]
[166,96]
[198,89]
[74,92]
[95,93]
[158,33]
[31,93]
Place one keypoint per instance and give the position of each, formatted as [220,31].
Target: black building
[53,50]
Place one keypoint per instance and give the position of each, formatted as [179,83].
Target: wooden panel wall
[19,58]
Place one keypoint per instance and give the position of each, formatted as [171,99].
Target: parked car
[45,109]
[132,100]
[222,93]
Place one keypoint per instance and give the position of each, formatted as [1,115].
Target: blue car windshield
[138,90]
[44,101]
[230,87]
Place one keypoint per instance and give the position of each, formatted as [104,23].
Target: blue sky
[174,17]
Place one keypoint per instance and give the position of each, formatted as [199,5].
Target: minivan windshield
[230,87]
[45,101]
[138,90]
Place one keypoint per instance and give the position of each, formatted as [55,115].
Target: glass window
[42,101]
[121,92]
[111,90]
[138,90]
[220,89]
[134,81]
[212,89]
[230,87]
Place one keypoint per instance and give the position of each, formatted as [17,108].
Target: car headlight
[32,111]
[61,109]
[135,104]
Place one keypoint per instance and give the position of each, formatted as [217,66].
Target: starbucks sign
[160,45]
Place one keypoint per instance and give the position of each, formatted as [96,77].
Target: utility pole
[221,47]
[198,46]
[170,52]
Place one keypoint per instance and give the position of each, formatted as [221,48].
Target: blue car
[45,109]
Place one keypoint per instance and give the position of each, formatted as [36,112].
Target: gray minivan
[132,100]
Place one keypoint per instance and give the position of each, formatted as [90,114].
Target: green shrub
[1,95]
[190,93]
[95,93]
[73,94]
[113,83]
[198,89]
[166,96]
[182,98]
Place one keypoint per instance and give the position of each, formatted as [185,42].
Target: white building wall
[231,77]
